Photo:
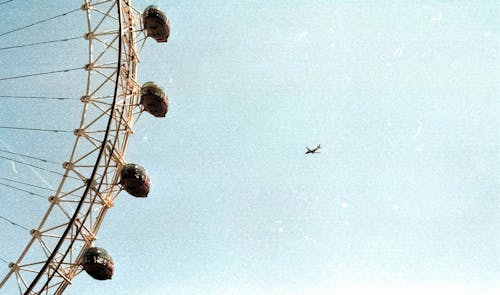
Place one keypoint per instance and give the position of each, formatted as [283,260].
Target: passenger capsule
[156,23]
[98,263]
[135,180]
[154,100]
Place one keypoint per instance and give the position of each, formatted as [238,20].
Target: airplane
[314,150]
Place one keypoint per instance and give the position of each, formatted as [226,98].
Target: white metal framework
[110,107]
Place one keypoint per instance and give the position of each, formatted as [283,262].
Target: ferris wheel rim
[120,71]
[94,171]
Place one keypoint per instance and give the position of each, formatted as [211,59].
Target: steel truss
[89,187]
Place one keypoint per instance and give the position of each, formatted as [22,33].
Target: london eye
[64,242]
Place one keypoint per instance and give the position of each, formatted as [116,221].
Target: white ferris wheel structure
[90,183]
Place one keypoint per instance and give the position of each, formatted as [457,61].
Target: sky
[403,197]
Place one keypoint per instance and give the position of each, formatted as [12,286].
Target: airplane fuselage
[314,150]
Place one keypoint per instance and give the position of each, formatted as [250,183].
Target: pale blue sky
[402,199]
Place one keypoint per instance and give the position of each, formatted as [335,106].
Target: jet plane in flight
[314,150]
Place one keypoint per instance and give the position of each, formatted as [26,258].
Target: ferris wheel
[62,244]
